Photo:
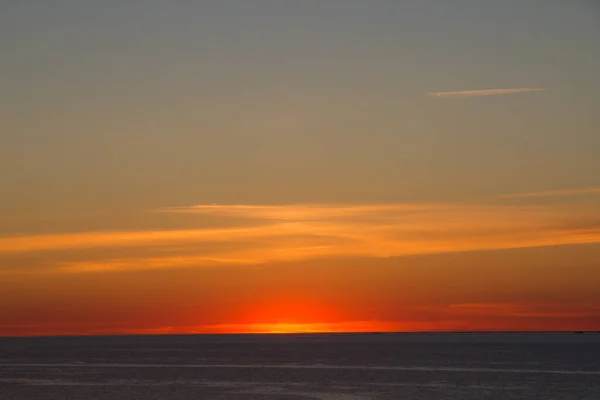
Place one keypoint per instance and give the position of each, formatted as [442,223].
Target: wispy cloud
[287,233]
[554,193]
[303,212]
[72,241]
[485,92]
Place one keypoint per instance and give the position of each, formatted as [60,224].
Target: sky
[298,166]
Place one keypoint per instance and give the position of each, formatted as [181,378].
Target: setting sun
[288,328]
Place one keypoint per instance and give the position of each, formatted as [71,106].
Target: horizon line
[441,332]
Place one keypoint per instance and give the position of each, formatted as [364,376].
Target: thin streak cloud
[288,233]
[486,92]
[554,193]
[73,241]
[303,212]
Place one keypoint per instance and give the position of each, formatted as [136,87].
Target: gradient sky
[283,165]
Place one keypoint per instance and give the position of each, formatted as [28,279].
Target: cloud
[248,256]
[23,244]
[554,193]
[552,310]
[302,212]
[286,233]
[486,92]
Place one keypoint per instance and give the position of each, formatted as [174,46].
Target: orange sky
[520,289]
[281,166]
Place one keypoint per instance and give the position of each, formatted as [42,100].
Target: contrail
[554,193]
[486,92]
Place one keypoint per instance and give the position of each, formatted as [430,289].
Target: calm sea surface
[303,367]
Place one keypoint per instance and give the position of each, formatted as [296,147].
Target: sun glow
[280,328]
[316,327]
[290,313]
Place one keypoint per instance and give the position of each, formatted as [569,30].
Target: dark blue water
[279,367]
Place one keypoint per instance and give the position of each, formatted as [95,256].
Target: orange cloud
[20,244]
[297,232]
[303,212]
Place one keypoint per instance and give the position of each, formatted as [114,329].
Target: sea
[408,366]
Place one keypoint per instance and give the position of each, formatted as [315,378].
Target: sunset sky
[224,166]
